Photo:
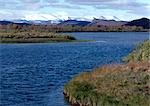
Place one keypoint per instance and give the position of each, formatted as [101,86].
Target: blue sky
[62,9]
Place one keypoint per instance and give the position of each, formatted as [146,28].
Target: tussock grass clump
[141,53]
[33,37]
[114,85]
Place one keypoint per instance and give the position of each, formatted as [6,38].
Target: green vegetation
[72,28]
[33,37]
[142,52]
[113,85]
[123,85]
[22,33]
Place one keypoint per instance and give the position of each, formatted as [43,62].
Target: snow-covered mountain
[144,22]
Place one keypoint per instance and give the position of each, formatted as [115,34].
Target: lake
[34,74]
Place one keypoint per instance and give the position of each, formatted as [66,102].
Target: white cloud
[35,16]
[9,15]
[51,9]
[32,15]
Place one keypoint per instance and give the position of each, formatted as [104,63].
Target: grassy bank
[113,85]
[140,53]
[34,37]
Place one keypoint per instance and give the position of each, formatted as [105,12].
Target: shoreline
[110,85]
[117,85]
[69,41]
[34,37]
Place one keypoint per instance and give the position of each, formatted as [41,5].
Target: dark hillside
[143,22]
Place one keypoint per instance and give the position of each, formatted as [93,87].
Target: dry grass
[114,85]
[141,53]
[118,85]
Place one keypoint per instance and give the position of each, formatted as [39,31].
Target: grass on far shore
[34,37]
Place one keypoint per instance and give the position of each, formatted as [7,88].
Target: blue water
[34,74]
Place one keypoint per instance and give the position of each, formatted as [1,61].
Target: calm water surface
[34,74]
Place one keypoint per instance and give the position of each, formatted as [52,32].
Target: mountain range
[143,22]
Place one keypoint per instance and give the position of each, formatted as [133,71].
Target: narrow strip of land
[34,37]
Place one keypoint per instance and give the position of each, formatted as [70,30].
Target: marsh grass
[141,52]
[120,86]
[33,37]
[114,85]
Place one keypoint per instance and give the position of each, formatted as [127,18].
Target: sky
[82,9]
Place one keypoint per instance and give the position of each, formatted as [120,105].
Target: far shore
[48,41]
[34,37]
